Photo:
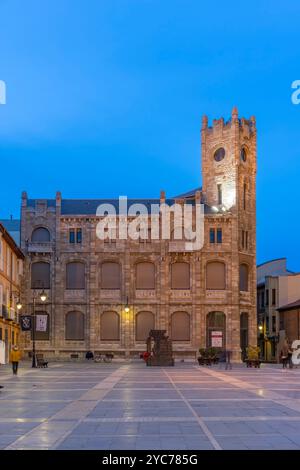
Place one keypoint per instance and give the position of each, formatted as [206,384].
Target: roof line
[271,261]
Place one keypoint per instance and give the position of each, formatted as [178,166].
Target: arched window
[244,327]
[145,275]
[74,326]
[215,276]
[110,326]
[144,322]
[41,326]
[244,277]
[216,330]
[110,275]
[40,275]
[180,326]
[40,234]
[75,273]
[180,275]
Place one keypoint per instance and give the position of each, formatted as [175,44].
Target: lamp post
[126,330]
[43,297]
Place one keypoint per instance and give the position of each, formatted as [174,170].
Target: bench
[41,361]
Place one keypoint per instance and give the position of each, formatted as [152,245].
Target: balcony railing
[40,247]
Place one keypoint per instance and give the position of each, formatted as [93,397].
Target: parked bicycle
[103,357]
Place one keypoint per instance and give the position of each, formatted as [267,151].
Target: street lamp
[126,309]
[43,297]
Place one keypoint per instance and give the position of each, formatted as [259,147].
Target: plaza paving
[130,406]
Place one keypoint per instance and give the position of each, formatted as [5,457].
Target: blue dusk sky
[105,98]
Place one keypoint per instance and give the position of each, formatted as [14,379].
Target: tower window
[212,236]
[243,154]
[219,187]
[244,196]
[219,154]
[79,235]
[219,235]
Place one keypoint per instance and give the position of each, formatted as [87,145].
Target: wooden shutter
[145,276]
[40,275]
[40,234]
[75,275]
[180,275]
[180,326]
[144,322]
[244,277]
[75,326]
[110,326]
[110,275]
[215,276]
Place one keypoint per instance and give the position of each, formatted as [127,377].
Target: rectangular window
[267,296]
[243,239]
[262,299]
[212,235]
[75,235]
[219,186]
[246,240]
[273,324]
[273,296]
[78,235]
[219,235]
[281,326]
[72,236]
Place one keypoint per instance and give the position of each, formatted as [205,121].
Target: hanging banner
[41,322]
[25,321]
[217,339]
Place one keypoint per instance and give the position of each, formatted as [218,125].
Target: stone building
[11,268]
[105,295]
[276,287]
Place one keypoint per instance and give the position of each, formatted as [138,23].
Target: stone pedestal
[159,346]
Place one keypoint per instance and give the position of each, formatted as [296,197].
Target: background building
[289,316]
[11,267]
[276,286]
[196,296]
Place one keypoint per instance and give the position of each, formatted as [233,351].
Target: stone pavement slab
[127,406]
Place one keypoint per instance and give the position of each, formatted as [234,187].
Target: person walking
[15,356]
[284,354]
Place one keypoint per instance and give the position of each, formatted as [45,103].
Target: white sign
[2,352]
[296,352]
[41,322]
[217,339]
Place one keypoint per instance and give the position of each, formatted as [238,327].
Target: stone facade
[11,270]
[229,208]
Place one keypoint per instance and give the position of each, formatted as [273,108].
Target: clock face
[219,154]
[243,154]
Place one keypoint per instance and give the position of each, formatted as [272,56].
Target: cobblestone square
[129,406]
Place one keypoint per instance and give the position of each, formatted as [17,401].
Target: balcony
[217,296]
[180,294]
[8,313]
[40,247]
[110,294]
[145,294]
